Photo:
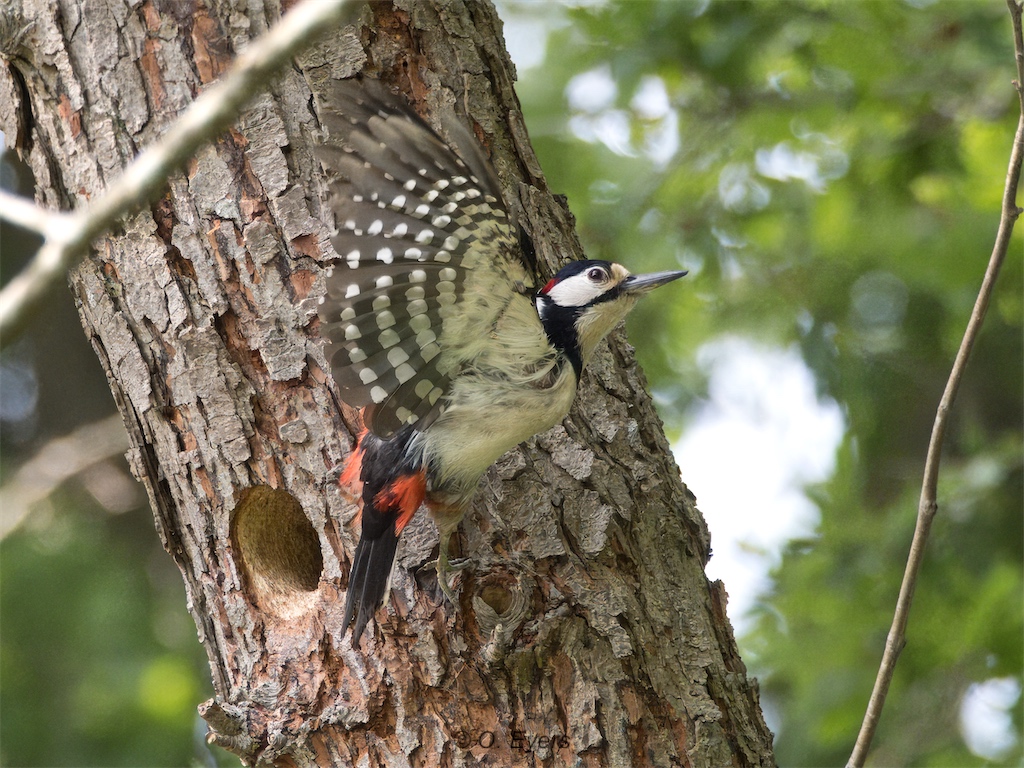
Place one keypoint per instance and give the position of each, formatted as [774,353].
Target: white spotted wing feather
[426,257]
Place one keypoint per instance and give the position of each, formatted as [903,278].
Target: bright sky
[747,454]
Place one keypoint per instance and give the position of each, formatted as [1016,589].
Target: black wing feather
[412,216]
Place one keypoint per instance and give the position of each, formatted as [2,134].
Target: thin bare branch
[928,504]
[68,236]
[26,214]
[56,462]
[1015,17]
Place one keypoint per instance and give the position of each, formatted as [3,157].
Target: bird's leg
[445,567]
[447,515]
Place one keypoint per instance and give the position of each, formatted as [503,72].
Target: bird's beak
[645,283]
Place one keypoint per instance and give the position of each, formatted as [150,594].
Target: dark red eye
[597,275]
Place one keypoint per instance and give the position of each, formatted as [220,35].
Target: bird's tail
[393,485]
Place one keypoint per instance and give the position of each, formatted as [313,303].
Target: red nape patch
[404,496]
[551,284]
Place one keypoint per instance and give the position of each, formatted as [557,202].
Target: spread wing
[427,256]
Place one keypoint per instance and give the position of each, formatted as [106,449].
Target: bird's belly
[476,429]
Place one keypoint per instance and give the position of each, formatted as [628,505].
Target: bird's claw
[444,567]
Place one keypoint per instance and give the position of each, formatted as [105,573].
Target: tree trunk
[586,633]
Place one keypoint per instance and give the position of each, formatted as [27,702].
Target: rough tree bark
[587,632]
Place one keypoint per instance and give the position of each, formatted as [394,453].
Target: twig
[26,214]
[929,489]
[68,235]
[56,462]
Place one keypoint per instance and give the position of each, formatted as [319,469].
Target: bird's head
[585,300]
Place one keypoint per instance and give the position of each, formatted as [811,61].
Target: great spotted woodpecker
[433,326]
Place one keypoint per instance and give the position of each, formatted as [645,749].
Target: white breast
[517,387]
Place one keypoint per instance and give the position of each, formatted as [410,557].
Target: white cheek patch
[575,291]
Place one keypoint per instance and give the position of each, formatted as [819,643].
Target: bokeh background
[830,173]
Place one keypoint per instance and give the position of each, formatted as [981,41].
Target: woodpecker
[433,325]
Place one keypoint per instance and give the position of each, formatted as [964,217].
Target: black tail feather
[382,464]
[369,579]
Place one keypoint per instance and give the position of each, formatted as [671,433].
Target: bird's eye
[598,275]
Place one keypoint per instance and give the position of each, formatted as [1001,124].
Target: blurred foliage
[830,174]
[99,662]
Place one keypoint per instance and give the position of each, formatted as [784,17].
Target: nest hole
[279,551]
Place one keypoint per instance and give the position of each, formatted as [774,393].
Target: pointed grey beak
[645,283]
